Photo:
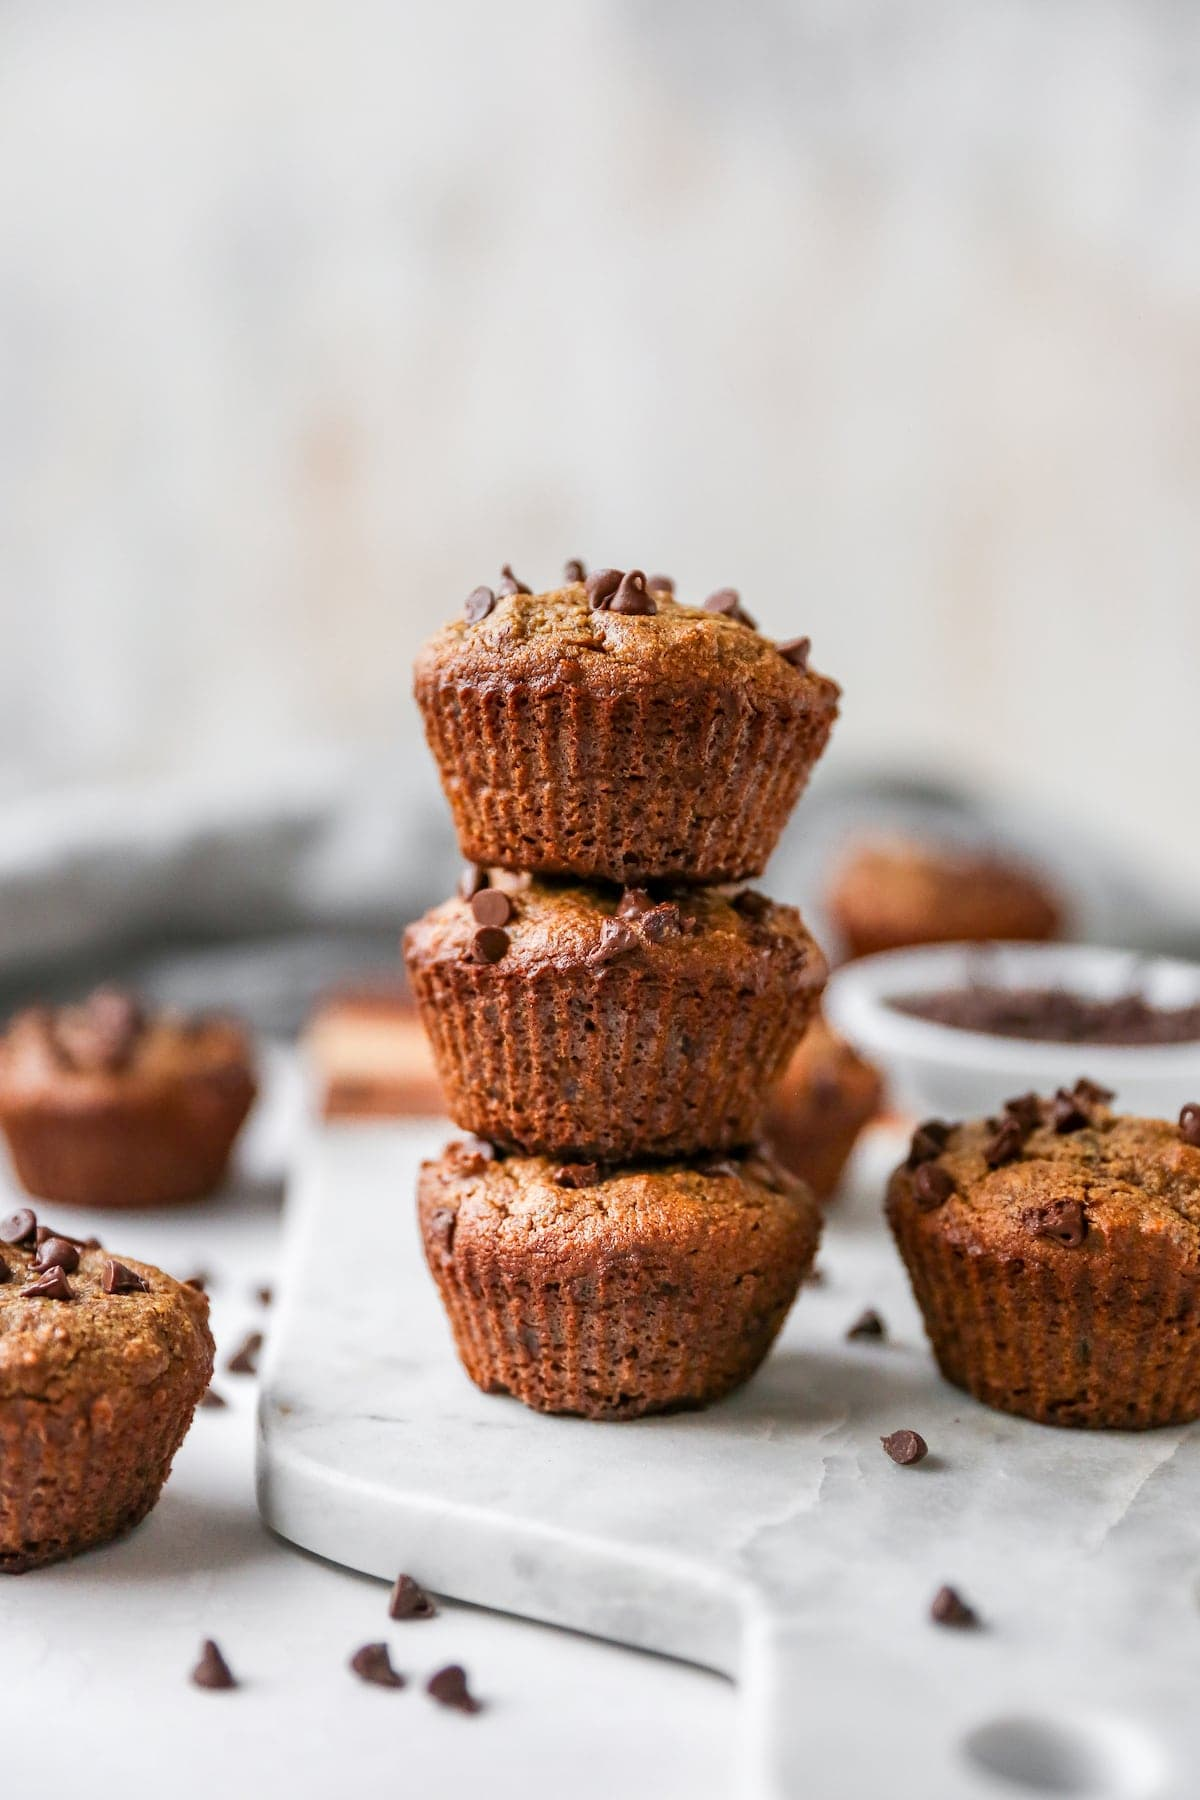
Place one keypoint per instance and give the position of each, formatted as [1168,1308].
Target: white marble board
[769,1537]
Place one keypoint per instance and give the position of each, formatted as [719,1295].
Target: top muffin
[607,731]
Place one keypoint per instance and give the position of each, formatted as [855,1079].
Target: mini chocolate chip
[117,1279]
[472,879]
[212,1671]
[200,1281]
[264,1295]
[510,584]
[478,604]
[717,1166]
[1091,1093]
[1062,1220]
[1026,1109]
[56,1252]
[211,1398]
[662,584]
[372,1663]
[491,906]
[928,1142]
[750,904]
[19,1227]
[408,1600]
[449,1688]
[662,923]
[932,1186]
[6,1273]
[574,570]
[1189,1124]
[868,1325]
[949,1608]
[1006,1146]
[244,1360]
[634,901]
[489,944]
[616,940]
[53,1285]
[796,651]
[905,1447]
[633,597]
[601,585]
[727,603]
[577,1175]
[1067,1112]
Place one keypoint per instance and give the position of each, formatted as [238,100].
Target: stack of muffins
[608,1005]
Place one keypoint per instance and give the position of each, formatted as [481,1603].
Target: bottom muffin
[1055,1254]
[611,1293]
[102,1364]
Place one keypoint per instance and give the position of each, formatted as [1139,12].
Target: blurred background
[885,312]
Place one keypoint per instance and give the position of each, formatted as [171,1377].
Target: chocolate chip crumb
[244,1360]
[1062,1220]
[449,1688]
[117,1279]
[932,1186]
[53,1285]
[211,1399]
[577,1175]
[510,584]
[1006,1146]
[56,1252]
[632,597]
[212,1671]
[949,1608]
[574,570]
[264,1295]
[868,1325]
[489,944]
[408,1600]
[19,1227]
[905,1447]
[478,604]
[372,1663]
[1189,1124]
[491,906]
[796,651]
[601,585]
[472,879]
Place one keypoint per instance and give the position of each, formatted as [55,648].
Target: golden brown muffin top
[527,924]
[582,1210]
[900,891]
[561,635]
[1057,1173]
[108,1045]
[98,1323]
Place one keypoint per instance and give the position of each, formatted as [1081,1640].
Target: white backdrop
[310,315]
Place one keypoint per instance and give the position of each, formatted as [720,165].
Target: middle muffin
[610,1024]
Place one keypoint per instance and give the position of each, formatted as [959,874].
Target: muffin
[613,1293]
[894,892]
[1055,1254]
[827,1094]
[606,731]
[589,1022]
[102,1363]
[103,1105]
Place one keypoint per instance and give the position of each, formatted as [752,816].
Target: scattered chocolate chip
[663,584]
[117,1279]
[212,1671]
[601,585]
[1091,1093]
[905,1447]
[1062,1220]
[510,584]
[491,906]
[928,1142]
[449,1688]
[264,1295]
[472,879]
[478,604]
[211,1398]
[633,597]
[1189,1124]
[634,901]
[932,1186]
[56,1253]
[53,1285]
[1006,1146]
[616,940]
[408,1600]
[750,904]
[577,1175]
[719,1167]
[727,603]
[949,1608]
[868,1325]
[372,1663]
[1068,1112]
[796,651]
[489,944]
[19,1227]
[574,570]
[244,1360]
[1026,1109]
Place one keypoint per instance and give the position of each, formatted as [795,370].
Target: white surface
[966,1074]
[105,1643]
[769,1536]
